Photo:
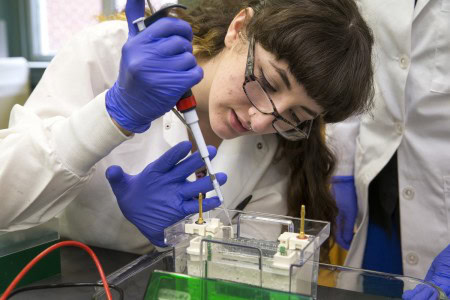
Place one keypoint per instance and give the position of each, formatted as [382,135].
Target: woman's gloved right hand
[157,67]
[161,195]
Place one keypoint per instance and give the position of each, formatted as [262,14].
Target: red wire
[47,251]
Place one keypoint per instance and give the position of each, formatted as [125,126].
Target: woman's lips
[236,123]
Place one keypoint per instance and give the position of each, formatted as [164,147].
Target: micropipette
[187,103]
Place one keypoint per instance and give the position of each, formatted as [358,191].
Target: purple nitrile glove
[343,188]
[161,195]
[156,68]
[438,274]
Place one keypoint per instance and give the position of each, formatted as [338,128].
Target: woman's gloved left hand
[161,195]
[438,274]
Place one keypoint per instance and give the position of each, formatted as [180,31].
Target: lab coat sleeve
[342,140]
[49,151]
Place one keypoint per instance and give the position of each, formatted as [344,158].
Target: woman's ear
[238,25]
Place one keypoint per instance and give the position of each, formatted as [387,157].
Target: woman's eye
[266,85]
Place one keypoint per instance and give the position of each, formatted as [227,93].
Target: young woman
[274,72]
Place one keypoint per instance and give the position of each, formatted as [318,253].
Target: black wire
[65,285]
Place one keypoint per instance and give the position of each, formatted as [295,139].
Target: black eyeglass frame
[249,77]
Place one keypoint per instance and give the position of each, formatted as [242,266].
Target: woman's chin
[227,135]
[224,132]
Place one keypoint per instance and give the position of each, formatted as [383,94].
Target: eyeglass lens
[261,101]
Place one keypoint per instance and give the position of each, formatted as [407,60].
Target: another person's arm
[438,274]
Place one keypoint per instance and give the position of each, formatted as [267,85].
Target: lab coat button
[412,259]
[399,128]
[259,146]
[167,126]
[408,193]
[404,61]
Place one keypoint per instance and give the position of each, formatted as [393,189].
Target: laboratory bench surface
[77,266]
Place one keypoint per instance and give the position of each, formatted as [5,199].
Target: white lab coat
[412,117]
[54,155]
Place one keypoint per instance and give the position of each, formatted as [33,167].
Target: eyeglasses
[287,124]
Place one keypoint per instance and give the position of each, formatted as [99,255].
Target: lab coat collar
[420,6]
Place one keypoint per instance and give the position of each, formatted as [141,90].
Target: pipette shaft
[192,121]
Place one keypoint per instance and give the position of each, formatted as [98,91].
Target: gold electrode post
[200,209]
[302,224]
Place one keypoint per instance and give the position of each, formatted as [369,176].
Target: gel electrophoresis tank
[216,249]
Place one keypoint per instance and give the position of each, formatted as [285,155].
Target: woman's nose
[259,122]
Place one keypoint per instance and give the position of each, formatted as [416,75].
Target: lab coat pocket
[441,73]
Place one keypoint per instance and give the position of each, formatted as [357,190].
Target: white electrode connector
[289,249]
